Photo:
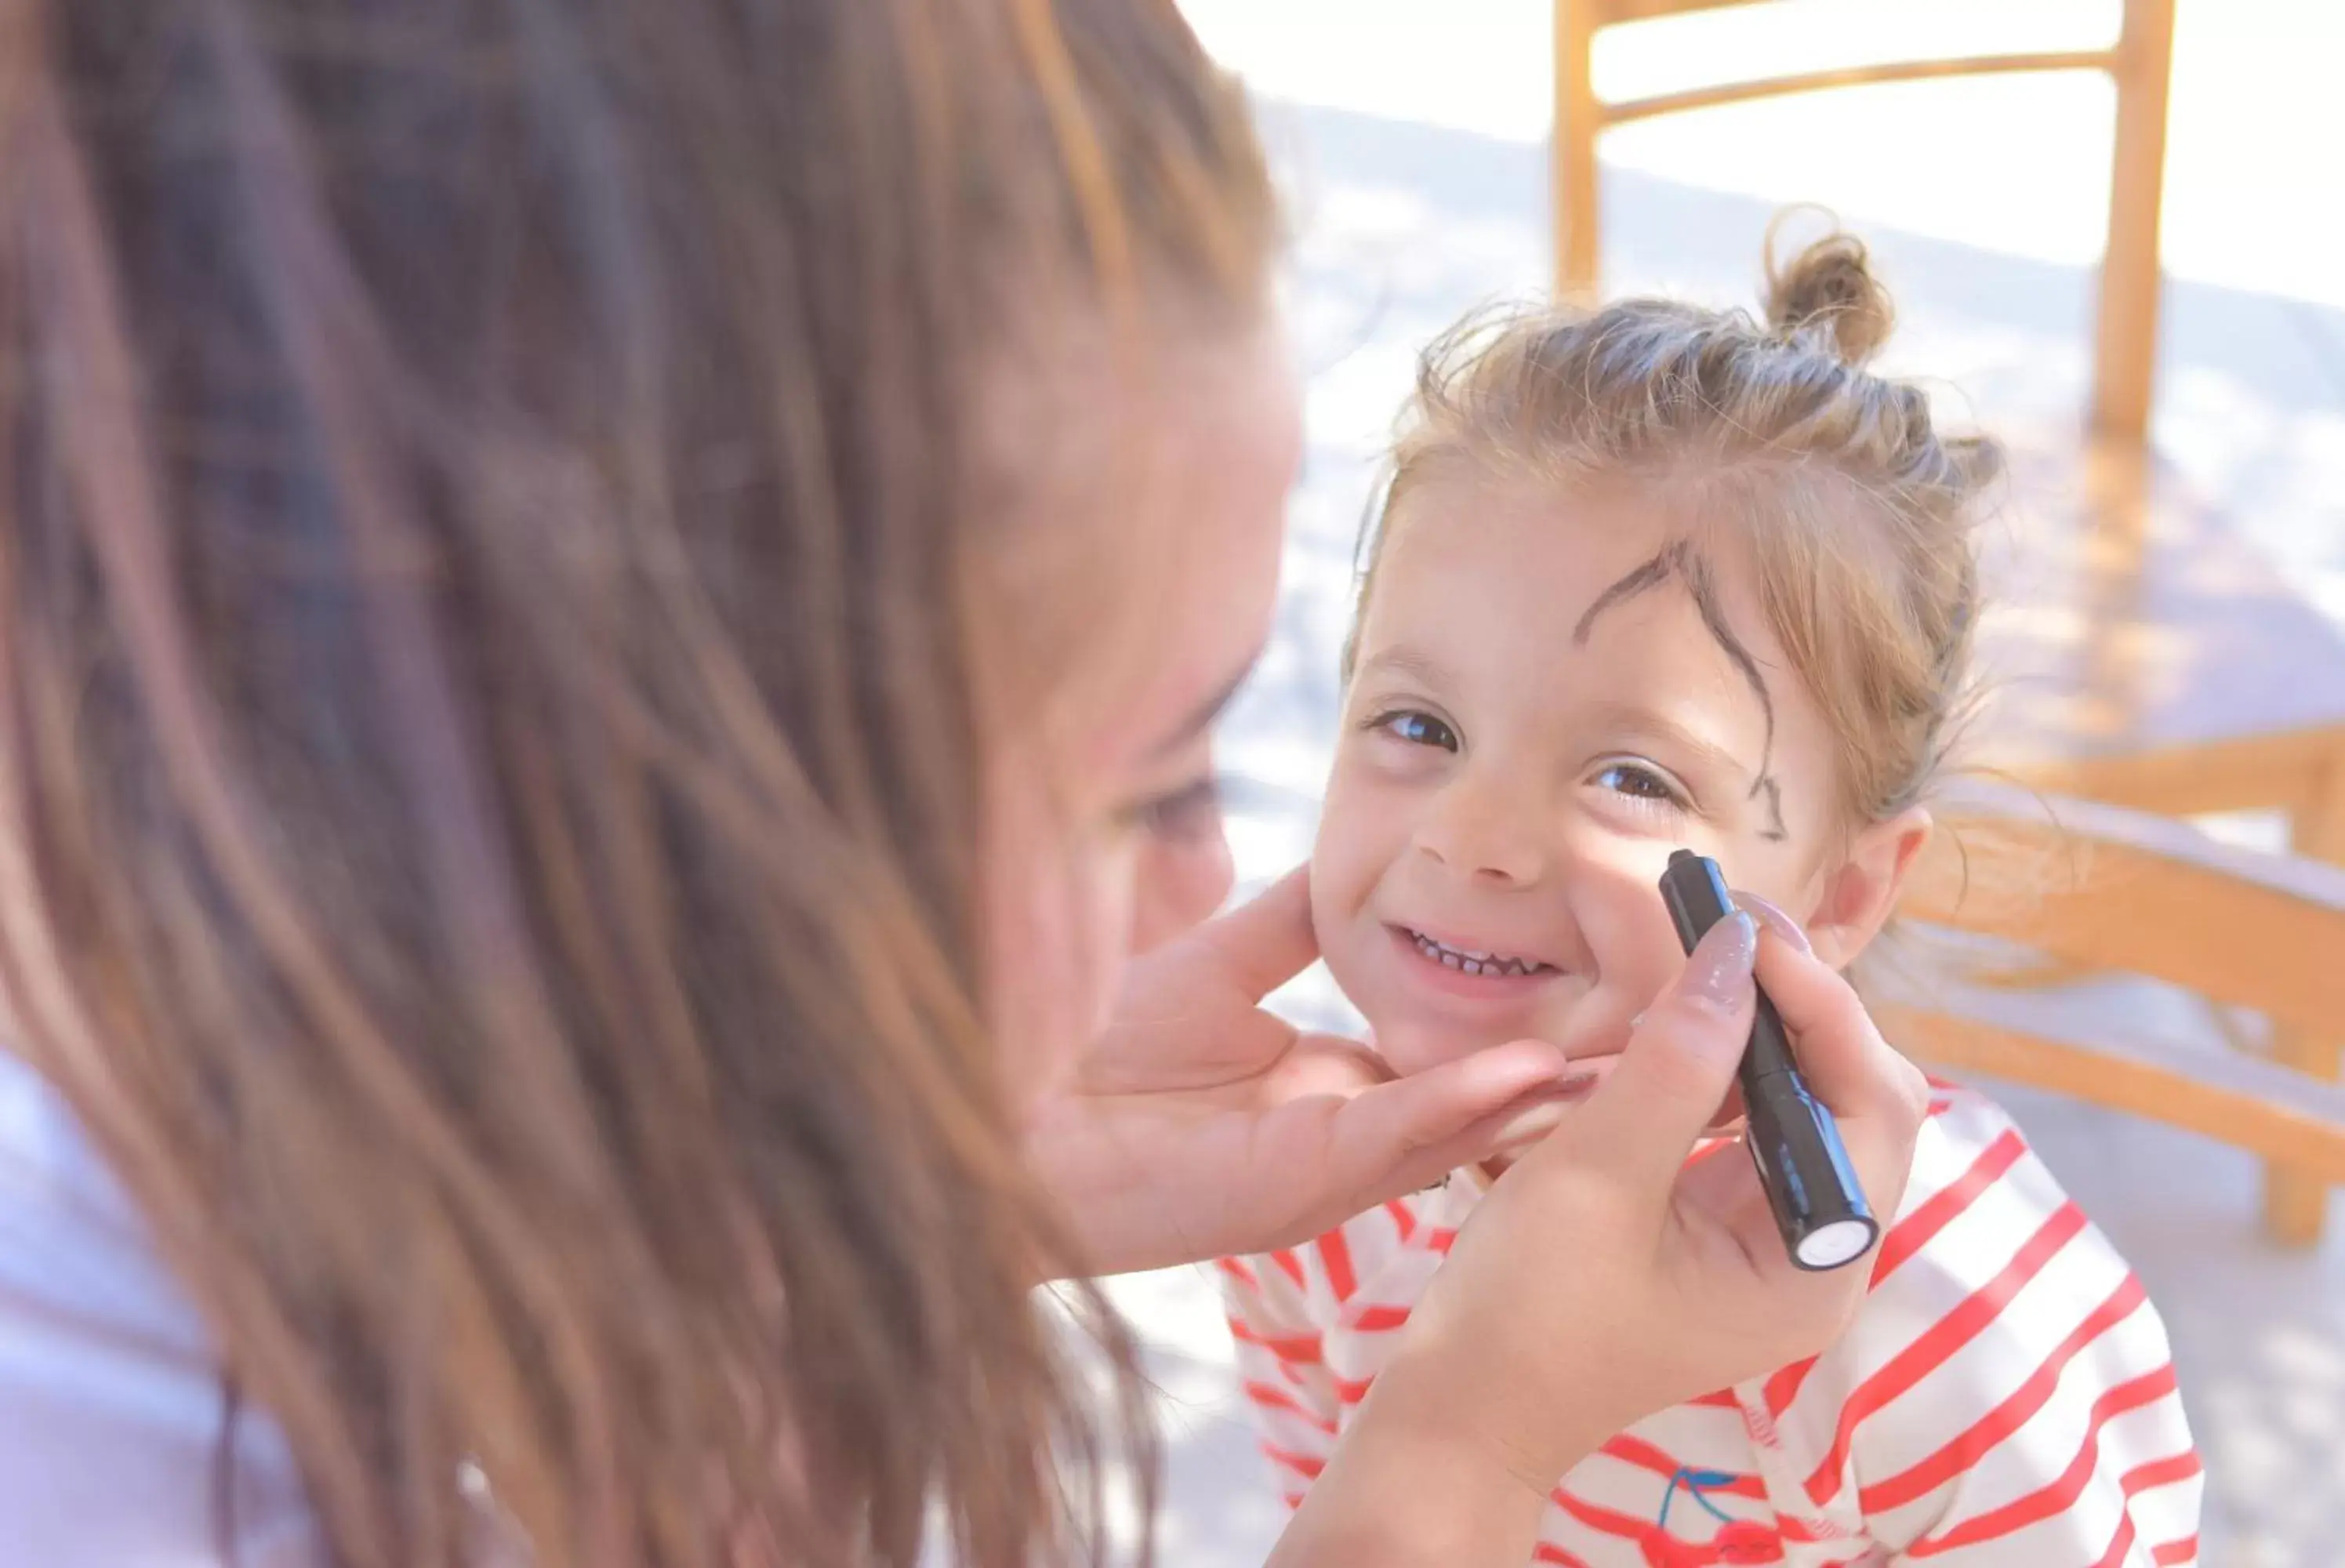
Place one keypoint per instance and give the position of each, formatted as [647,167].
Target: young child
[1660,576]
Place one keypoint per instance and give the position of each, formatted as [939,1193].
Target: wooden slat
[1579,117]
[1628,109]
[2296,1198]
[1610,11]
[2252,1105]
[2195,778]
[2107,889]
[2124,353]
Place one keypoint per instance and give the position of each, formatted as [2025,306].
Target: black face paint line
[1680,560]
[1774,832]
[1698,582]
[1652,574]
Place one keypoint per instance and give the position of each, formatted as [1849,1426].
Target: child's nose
[1482,828]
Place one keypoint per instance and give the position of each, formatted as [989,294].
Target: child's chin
[1409,1048]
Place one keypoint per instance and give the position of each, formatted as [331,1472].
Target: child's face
[1539,712]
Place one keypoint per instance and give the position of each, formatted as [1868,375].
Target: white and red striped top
[2006,1395]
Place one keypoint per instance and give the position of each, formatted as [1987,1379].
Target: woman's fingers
[1676,1069]
[1267,940]
[1877,1097]
[1400,1135]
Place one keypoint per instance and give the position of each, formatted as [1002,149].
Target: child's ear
[1858,896]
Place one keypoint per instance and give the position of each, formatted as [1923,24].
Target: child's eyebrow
[1636,718]
[1403,660]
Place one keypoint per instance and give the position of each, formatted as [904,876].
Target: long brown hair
[488,783]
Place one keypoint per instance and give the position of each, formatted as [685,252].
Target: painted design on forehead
[1653,574]
[1679,560]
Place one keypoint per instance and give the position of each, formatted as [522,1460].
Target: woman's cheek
[1058,928]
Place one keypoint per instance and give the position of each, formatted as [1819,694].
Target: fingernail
[1718,975]
[1774,919]
[1573,1084]
[1536,1111]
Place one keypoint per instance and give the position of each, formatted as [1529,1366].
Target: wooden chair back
[2126,334]
[2096,890]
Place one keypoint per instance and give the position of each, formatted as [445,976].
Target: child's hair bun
[1827,293]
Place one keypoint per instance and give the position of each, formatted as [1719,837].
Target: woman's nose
[1478,828]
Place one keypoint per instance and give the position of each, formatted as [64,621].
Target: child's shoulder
[1981,1212]
[1988,1274]
[2002,1331]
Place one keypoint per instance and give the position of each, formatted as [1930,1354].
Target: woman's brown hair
[488,783]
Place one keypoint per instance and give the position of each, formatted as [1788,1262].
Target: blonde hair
[1856,512]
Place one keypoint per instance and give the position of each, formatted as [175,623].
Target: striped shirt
[2005,1396]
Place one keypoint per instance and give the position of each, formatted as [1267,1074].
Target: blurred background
[1413,139]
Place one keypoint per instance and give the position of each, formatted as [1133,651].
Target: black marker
[1819,1207]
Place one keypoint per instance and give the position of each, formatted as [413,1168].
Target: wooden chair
[2103,889]
[2126,341]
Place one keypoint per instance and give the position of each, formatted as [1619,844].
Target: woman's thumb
[1678,1066]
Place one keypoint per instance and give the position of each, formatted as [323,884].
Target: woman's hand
[1604,1278]
[1201,1125]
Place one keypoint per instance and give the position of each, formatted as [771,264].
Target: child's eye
[1183,816]
[1416,728]
[1638,783]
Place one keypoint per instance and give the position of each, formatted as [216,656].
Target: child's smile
[1551,691]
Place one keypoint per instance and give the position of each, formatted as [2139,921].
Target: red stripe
[1402,1220]
[2119,1544]
[2006,1418]
[2157,1473]
[1441,1239]
[1806,1532]
[1336,1255]
[1289,1265]
[1279,1399]
[1548,1552]
[1723,1400]
[1302,1348]
[1941,1340]
[1603,1519]
[2183,1550]
[1911,1234]
[1236,1269]
[1294,1499]
[1784,1386]
[1376,1319]
[1352,1390]
[2057,1497]
[1302,1464]
[1636,1451]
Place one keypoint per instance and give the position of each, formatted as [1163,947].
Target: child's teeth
[1470,961]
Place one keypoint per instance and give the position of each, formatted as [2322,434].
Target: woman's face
[1158,504]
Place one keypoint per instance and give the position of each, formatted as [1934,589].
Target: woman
[600,597]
